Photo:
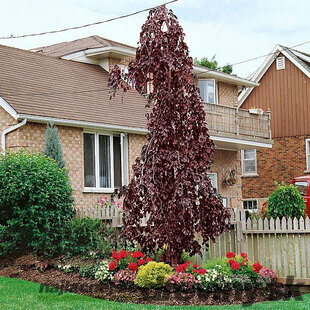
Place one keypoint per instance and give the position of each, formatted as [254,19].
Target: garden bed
[25,268]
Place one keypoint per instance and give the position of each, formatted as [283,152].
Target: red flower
[181,268]
[243,264]
[188,262]
[244,255]
[128,260]
[235,266]
[133,266]
[195,266]
[148,259]
[137,254]
[122,254]
[257,267]
[231,261]
[130,253]
[230,255]
[141,261]
[114,255]
[112,266]
[195,271]
[202,271]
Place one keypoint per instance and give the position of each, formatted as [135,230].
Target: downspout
[8,130]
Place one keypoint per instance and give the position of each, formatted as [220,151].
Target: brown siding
[287,94]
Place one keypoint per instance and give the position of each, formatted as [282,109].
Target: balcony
[235,128]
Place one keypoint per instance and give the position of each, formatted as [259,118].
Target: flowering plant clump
[42,267]
[106,202]
[103,273]
[131,260]
[267,275]
[184,282]
[242,282]
[67,268]
[214,279]
[124,278]
[193,269]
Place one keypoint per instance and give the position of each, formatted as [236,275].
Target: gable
[286,93]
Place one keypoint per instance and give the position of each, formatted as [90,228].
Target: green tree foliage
[53,147]
[285,201]
[213,64]
[35,204]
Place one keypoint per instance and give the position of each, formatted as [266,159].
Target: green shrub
[223,262]
[35,204]
[153,275]
[82,237]
[285,201]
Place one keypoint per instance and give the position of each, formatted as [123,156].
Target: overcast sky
[234,30]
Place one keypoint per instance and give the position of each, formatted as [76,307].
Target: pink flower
[105,198]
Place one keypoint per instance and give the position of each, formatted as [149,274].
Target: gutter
[8,130]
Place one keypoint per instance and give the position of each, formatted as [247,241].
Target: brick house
[66,83]
[284,89]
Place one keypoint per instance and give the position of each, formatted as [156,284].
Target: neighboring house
[67,83]
[284,89]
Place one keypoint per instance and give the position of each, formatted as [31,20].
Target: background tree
[213,64]
[170,181]
[53,148]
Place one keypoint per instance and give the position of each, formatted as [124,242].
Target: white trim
[242,161]
[8,130]
[215,90]
[241,141]
[82,124]
[8,108]
[265,66]
[216,180]
[307,154]
[109,49]
[250,199]
[222,76]
[112,160]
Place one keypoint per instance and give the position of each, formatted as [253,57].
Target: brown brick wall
[223,162]
[284,161]
[6,120]
[227,94]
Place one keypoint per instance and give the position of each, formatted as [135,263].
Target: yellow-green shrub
[153,275]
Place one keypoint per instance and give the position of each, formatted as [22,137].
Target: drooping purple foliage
[170,182]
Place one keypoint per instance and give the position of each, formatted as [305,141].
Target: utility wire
[108,88]
[255,58]
[84,26]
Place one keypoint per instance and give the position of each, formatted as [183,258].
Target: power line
[84,26]
[255,58]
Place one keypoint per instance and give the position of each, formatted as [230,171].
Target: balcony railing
[234,121]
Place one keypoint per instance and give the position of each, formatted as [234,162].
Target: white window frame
[124,162]
[215,91]
[215,174]
[308,154]
[242,161]
[250,199]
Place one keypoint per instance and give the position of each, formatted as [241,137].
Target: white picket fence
[281,244]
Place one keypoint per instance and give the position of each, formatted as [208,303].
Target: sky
[233,30]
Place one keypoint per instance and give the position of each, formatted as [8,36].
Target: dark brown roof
[47,86]
[65,48]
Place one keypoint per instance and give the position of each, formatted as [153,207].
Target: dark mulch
[25,268]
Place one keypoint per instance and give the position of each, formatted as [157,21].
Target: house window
[249,162]
[105,161]
[208,91]
[250,205]
[308,153]
[280,63]
[213,178]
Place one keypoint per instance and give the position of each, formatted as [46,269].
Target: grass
[19,294]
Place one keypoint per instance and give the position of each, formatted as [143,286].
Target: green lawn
[19,294]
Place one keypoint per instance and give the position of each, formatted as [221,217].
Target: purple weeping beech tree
[170,181]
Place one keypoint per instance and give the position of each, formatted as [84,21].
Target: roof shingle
[41,85]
